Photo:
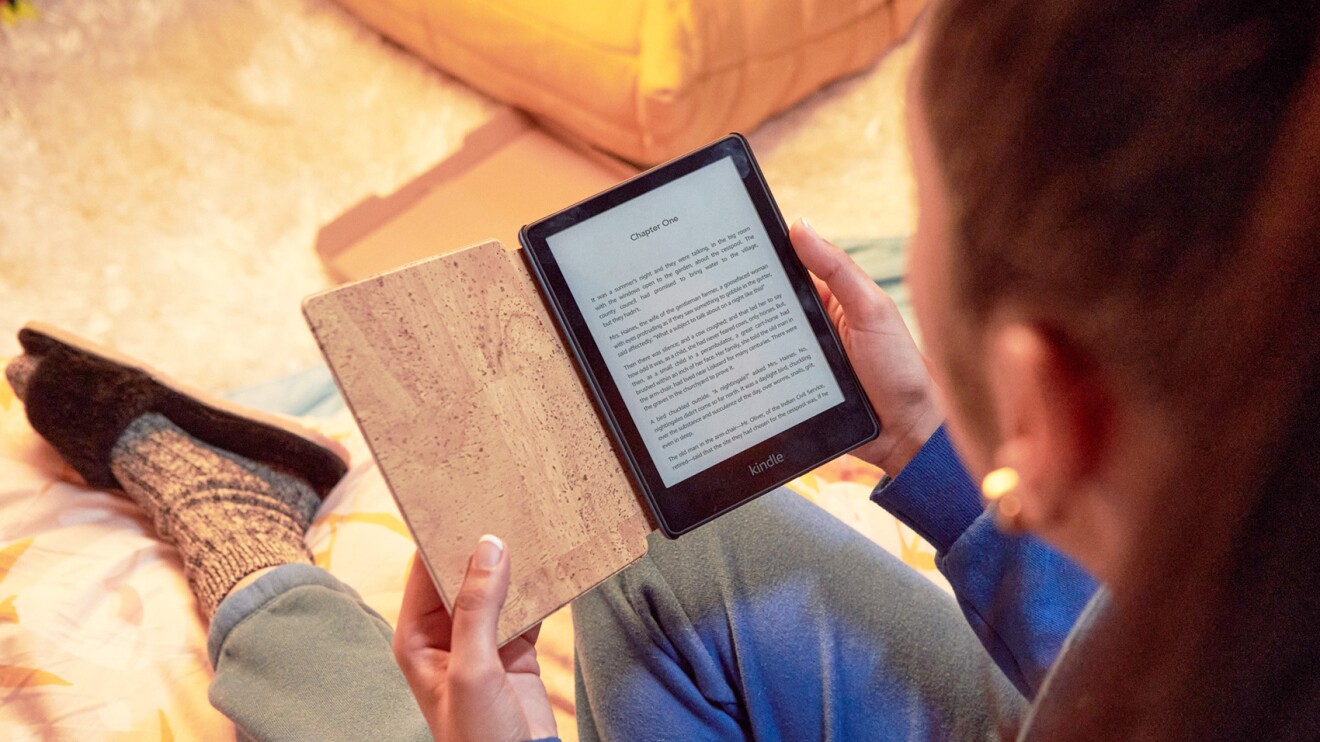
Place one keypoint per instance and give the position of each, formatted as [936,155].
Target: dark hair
[1143,180]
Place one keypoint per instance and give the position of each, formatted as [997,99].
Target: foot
[124,427]
[228,515]
[81,397]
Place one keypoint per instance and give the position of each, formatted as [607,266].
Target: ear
[1053,422]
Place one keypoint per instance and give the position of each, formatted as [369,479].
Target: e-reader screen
[697,324]
[699,333]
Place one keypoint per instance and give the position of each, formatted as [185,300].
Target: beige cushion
[646,79]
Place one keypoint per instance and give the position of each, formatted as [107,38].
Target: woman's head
[1096,170]
[1116,274]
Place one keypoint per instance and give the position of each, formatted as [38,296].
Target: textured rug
[166,165]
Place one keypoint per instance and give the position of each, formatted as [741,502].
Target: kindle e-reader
[699,333]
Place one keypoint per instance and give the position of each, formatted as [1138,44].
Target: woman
[1115,269]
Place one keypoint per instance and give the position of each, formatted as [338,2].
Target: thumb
[477,606]
[860,298]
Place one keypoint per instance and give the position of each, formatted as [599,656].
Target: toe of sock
[19,373]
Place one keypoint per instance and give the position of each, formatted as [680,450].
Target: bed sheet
[100,638]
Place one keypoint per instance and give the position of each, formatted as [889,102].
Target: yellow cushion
[645,79]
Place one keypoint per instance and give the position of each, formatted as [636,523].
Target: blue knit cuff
[933,495]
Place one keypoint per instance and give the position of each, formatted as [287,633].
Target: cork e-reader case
[480,423]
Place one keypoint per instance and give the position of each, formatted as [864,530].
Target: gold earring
[999,482]
[999,488]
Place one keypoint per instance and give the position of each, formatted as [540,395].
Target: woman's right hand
[888,364]
[466,686]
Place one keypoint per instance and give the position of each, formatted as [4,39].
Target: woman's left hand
[467,687]
[888,364]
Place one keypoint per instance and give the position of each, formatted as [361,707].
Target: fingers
[477,606]
[452,664]
[845,281]
[423,620]
[519,655]
[532,634]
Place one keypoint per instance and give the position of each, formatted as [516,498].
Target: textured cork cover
[480,423]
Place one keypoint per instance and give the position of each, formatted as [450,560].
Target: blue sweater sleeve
[1020,596]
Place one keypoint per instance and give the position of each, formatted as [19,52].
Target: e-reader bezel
[727,484]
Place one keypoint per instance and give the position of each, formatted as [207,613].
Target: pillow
[646,79]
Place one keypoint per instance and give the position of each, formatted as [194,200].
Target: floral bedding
[99,635]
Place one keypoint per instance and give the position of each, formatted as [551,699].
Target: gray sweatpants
[776,621]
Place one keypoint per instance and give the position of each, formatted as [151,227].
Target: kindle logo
[760,466]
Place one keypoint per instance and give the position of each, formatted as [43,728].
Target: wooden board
[383,233]
[480,423]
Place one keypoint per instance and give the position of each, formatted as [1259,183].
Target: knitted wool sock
[228,516]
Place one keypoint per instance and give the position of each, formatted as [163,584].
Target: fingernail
[489,549]
[807,224]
